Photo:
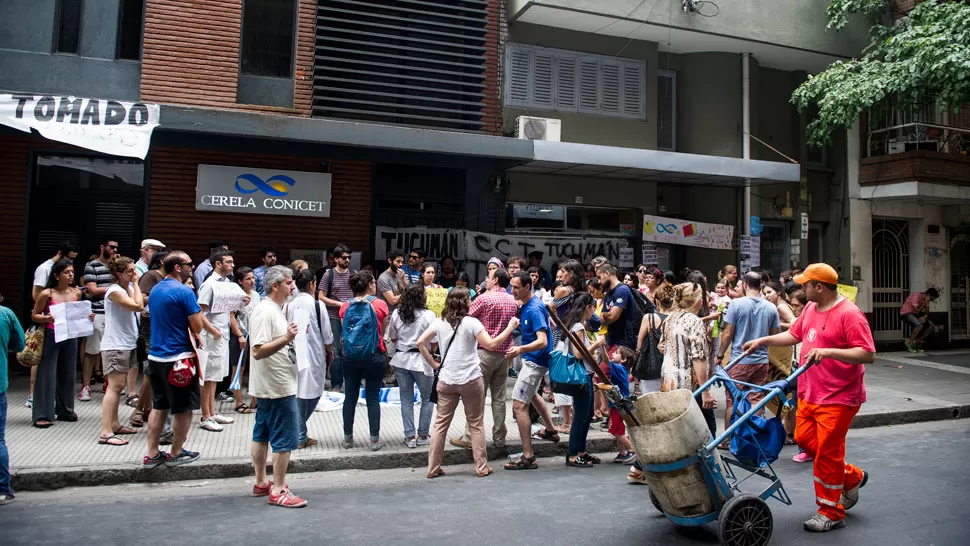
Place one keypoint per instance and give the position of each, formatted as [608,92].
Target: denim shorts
[277,422]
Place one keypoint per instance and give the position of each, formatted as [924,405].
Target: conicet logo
[275,186]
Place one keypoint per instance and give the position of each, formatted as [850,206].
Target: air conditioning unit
[896,147]
[531,128]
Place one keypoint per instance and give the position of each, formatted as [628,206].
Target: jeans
[336,367]
[305,407]
[4,456]
[371,372]
[406,379]
[582,415]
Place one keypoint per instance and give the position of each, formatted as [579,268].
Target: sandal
[546,434]
[132,401]
[488,472]
[310,442]
[243,408]
[522,463]
[112,441]
[436,474]
[137,420]
[594,459]
[126,430]
[580,461]
[43,424]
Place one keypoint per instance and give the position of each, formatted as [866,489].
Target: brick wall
[920,165]
[173,219]
[493,54]
[14,164]
[190,54]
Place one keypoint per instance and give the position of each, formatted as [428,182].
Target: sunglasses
[343,257]
[412,257]
[186,264]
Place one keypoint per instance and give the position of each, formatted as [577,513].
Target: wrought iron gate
[890,277]
[959,289]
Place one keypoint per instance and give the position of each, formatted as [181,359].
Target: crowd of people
[163,317]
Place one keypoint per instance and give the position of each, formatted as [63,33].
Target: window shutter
[566,84]
[543,89]
[518,76]
[666,109]
[589,85]
[634,95]
[612,87]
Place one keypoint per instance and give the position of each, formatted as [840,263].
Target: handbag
[566,372]
[434,384]
[182,372]
[33,347]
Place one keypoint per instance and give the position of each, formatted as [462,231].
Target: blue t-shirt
[534,318]
[170,305]
[412,275]
[620,331]
[620,377]
[752,318]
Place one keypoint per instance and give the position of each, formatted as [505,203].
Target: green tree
[922,55]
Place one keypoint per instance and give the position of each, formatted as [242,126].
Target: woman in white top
[311,376]
[122,303]
[407,323]
[459,376]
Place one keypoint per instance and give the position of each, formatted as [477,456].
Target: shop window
[774,247]
[268,31]
[130,29]
[67,32]
[558,80]
[548,218]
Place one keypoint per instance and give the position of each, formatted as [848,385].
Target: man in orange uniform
[835,335]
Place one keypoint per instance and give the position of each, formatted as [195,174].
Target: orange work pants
[820,430]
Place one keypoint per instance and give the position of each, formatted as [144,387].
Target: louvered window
[567,81]
[666,110]
[417,62]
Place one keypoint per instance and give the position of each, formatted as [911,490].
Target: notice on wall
[474,248]
[72,320]
[750,252]
[107,126]
[660,229]
[650,254]
[626,257]
[315,258]
[436,299]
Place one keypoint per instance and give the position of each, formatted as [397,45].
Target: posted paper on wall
[226,297]
[72,320]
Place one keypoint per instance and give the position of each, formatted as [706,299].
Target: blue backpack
[359,331]
[758,441]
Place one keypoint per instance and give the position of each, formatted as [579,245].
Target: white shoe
[222,420]
[211,425]
[30,402]
[822,524]
[85,394]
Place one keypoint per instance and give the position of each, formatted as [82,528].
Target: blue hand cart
[744,519]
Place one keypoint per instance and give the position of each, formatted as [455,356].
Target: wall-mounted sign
[804,226]
[659,229]
[755,225]
[539,211]
[262,191]
[107,126]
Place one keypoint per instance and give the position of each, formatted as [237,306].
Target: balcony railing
[897,126]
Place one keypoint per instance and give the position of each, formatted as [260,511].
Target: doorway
[890,277]
[81,199]
[959,288]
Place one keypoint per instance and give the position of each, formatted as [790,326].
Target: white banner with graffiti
[674,231]
[474,248]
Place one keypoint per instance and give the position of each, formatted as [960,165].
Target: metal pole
[746,136]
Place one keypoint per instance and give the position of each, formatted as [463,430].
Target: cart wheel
[656,502]
[745,520]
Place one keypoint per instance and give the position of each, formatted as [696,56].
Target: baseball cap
[152,242]
[818,272]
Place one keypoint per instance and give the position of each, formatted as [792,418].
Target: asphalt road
[918,494]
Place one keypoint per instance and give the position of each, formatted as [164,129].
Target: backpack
[359,330]
[650,362]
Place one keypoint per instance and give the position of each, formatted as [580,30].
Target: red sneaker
[262,491]
[286,500]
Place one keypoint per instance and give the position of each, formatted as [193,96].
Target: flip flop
[112,441]
[488,472]
[44,424]
[243,408]
[437,474]
[125,430]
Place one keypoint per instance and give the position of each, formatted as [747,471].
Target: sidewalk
[901,389]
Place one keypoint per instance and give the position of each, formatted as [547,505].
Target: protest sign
[659,229]
[436,299]
[226,297]
[848,291]
[72,320]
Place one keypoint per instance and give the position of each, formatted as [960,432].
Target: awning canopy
[611,162]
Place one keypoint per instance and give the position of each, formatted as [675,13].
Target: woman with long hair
[428,274]
[573,278]
[464,281]
[652,326]
[407,323]
[459,376]
[146,282]
[122,303]
[54,387]
[239,346]
[580,309]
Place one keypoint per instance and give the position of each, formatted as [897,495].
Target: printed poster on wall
[659,229]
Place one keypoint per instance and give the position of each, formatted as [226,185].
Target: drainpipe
[746,136]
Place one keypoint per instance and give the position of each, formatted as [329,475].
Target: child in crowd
[621,360]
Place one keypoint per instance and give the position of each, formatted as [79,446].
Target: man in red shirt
[495,309]
[914,313]
[835,336]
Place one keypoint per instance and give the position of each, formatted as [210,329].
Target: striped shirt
[340,290]
[495,309]
[101,276]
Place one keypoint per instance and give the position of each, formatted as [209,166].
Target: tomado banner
[262,191]
[685,232]
[106,126]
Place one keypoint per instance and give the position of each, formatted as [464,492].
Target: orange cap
[818,272]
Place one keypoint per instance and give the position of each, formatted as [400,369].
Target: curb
[48,479]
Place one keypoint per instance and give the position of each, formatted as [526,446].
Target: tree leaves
[923,56]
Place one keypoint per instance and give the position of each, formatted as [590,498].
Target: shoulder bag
[434,384]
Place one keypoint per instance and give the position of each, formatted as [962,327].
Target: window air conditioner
[531,128]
